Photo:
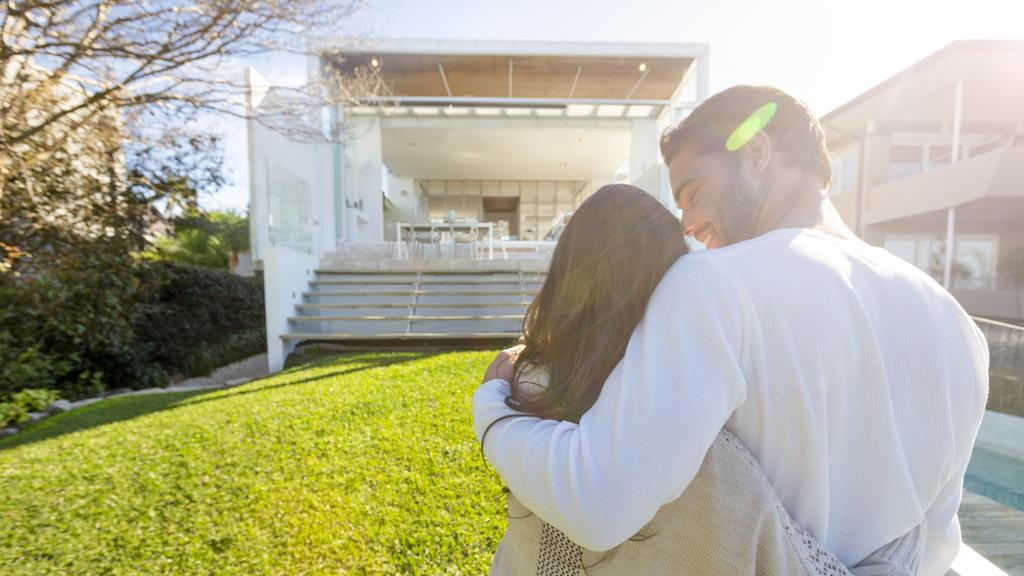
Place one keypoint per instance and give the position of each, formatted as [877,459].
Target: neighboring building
[519,132]
[935,155]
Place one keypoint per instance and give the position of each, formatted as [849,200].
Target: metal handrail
[997,323]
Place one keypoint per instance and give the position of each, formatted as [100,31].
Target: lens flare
[754,123]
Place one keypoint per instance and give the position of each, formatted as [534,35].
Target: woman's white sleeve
[644,439]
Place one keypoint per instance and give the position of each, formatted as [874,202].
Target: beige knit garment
[728,521]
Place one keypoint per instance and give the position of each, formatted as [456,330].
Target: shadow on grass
[100,413]
[121,408]
[363,364]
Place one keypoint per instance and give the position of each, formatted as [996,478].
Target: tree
[203,239]
[176,55]
[97,99]
[93,82]
[937,266]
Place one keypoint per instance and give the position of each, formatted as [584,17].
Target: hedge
[91,326]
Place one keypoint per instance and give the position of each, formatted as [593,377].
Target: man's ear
[758,152]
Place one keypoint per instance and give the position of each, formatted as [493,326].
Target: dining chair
[501,236]
[472,237]
[420,238]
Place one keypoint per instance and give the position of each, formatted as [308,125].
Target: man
[857,382]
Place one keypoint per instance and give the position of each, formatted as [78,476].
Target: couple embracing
[790,401]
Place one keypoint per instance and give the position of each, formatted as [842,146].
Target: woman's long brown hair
[610,257]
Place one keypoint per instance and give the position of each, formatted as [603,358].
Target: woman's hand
[502,365]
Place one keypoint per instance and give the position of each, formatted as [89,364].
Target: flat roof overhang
[921,98]
[516,74]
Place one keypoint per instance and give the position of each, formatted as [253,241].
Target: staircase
[400,300]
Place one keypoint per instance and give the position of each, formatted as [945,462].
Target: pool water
[997,476]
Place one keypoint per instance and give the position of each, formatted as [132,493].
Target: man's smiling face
[717,200]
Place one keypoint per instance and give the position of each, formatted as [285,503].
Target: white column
[323,199]
[363,141]
[947,274]
[338,173]
[703,67]
[958,99]
[259,231]
[644,153]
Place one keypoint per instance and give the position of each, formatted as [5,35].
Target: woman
[609,259]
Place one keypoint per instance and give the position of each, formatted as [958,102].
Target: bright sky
[825,52]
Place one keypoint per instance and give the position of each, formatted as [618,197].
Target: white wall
[409,203]
[286,274]
[646,169]
[363,180]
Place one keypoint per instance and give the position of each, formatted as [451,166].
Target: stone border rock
[234,374]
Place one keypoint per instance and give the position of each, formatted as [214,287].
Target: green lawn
[361,464]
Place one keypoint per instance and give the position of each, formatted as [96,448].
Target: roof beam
[575,80]
[637,84]
[473,100]
[509,77]
[444,79]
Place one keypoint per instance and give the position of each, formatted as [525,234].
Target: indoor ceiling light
[562,165]
[374,62]
[517,111]
[610,110]
[643,66]
[487,111]
[639,111]
[421,111]
[549,111]
[453,111]
[579,109]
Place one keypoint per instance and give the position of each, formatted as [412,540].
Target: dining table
[448,226]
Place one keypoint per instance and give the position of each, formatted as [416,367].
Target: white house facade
[427,209]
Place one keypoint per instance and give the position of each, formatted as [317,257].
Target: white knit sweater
[855,380]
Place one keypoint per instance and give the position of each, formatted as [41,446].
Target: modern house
[360,231]
[934,157]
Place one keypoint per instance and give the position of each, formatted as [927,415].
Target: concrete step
[431,276]
[417,305]
[410,293]
[408,301]
[403,310]
[403,336]
[409,287]
[408,318]
[384,324]
[535,284]
[429,266]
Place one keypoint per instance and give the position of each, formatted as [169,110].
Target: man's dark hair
[796,135]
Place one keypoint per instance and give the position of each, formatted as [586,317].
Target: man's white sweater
[856,380]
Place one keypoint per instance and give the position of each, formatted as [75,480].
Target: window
[844,172]
[974,264]
[905,160]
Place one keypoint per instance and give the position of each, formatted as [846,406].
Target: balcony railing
[993,173]
[1006,365]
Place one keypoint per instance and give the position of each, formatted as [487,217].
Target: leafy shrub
[231,348]
[27,367]
[89,325]
[11,413]
[15,410]
[74,316]
[203,239]
[184,314]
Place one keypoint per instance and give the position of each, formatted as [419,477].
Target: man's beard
[739,217]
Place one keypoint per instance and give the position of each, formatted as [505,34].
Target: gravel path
[230,375]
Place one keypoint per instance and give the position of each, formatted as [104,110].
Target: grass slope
[363,464]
